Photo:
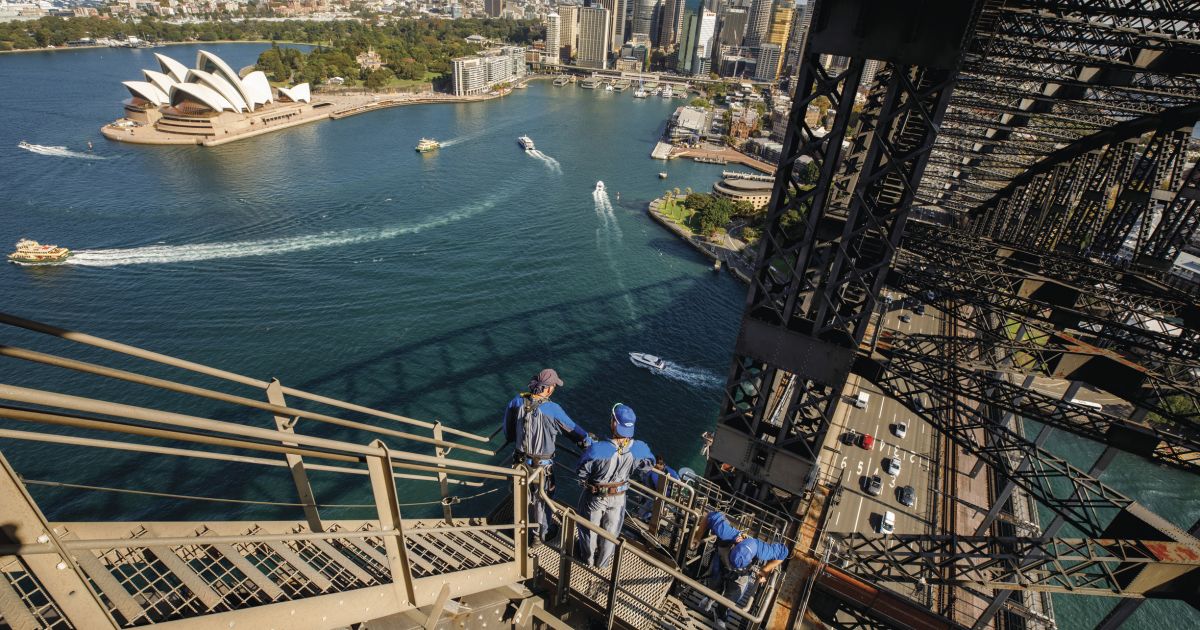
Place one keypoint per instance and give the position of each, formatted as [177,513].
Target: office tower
[835,63]
[732,27]
[595,37]
[493,7]
[553,37]
[781,24]
[569,29]
[643,18]
[795,47]
[758,23]
[616,15]
[687,43]
[769,57]
[706,27]
[671,23]
[870,69]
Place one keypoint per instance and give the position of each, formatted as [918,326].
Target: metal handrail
[200,368]
[180,541]
[568,514]
[279,410]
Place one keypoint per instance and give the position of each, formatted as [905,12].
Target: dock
[662,151]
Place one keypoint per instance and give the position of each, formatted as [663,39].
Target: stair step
[282,550]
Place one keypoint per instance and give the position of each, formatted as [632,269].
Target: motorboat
[640,93]
[526,143]
[31,252]
[650,361]
[600,186]
[662,175]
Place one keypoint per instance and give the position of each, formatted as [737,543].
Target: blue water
[336,258]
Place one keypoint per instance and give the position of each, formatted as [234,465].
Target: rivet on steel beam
[61,566]
[43,539]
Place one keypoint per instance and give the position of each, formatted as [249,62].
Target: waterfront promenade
[728,250]
[724,155]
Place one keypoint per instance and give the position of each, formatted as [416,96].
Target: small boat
[649,361]
[662,175]
[31,252]
[600,186]
[24,145]
[589,84]
[717,265]
[526,143]
[428,144]
[640,93]
[608,87]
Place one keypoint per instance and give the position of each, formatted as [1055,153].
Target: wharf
[662,151]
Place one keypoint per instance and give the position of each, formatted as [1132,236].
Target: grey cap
[546,378]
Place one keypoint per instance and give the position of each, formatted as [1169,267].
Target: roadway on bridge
[857,511]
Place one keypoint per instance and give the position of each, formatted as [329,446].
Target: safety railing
[636,582]
[244,572]
[276,400]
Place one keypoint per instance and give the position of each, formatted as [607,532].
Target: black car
[906,495]
[872,485]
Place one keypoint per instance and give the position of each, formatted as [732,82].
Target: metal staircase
[384,571]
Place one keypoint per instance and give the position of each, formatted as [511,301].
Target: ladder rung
[359,573]
[109,586]
[246,567]
[185,574]
[283,551]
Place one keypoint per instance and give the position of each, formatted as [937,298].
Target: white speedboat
[650,361]
[526,143]
[600,186]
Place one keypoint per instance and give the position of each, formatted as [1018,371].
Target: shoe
[717,622]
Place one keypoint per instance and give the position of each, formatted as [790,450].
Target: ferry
[589,84]
[24,145]
[30,252]
[649,361]
[526,143]
[427,144]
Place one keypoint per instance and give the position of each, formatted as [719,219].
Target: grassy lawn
[673,210]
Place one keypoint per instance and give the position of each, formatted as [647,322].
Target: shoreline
[729,258]
[157,45]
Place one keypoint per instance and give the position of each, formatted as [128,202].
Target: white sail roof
[201,94]
[163,81]
[211,63]
[222,87]
[177,70]
[258,89]
[147,91]
[297,93]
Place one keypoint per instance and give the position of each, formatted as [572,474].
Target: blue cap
[742,554]
[625,419]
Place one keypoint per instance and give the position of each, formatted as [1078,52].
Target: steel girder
[827,249]
[1106,567]
[928,360]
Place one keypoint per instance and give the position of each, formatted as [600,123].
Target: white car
[887,524]
[891,466]
[900,429]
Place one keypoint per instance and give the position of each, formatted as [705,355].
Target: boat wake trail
[604,210]
[696,377]
[59,152]
[550,162]
[160,254]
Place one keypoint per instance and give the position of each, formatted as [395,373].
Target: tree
[379,78]
[699,102]
[750,235]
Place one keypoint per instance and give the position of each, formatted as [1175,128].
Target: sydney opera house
[208,105]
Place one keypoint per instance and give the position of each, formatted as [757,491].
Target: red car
[866,441]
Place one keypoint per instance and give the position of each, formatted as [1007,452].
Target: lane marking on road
[837,518]
[858,513]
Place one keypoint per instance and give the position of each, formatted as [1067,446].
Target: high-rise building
[769,57]
[795,47]
[553,37]
[706,29]
[595,37]
[758,23]
[493,7]
[569,25]
[870,69]
[643,18]
[781,24]
[687,42]
[731,28]
[670,23]
[480,73]
[616,15]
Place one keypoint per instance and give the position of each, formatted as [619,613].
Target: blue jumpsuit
[726,535]
[652,479]
[604,472]
[534,425]
[741,576]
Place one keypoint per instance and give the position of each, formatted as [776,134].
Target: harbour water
[336,258]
